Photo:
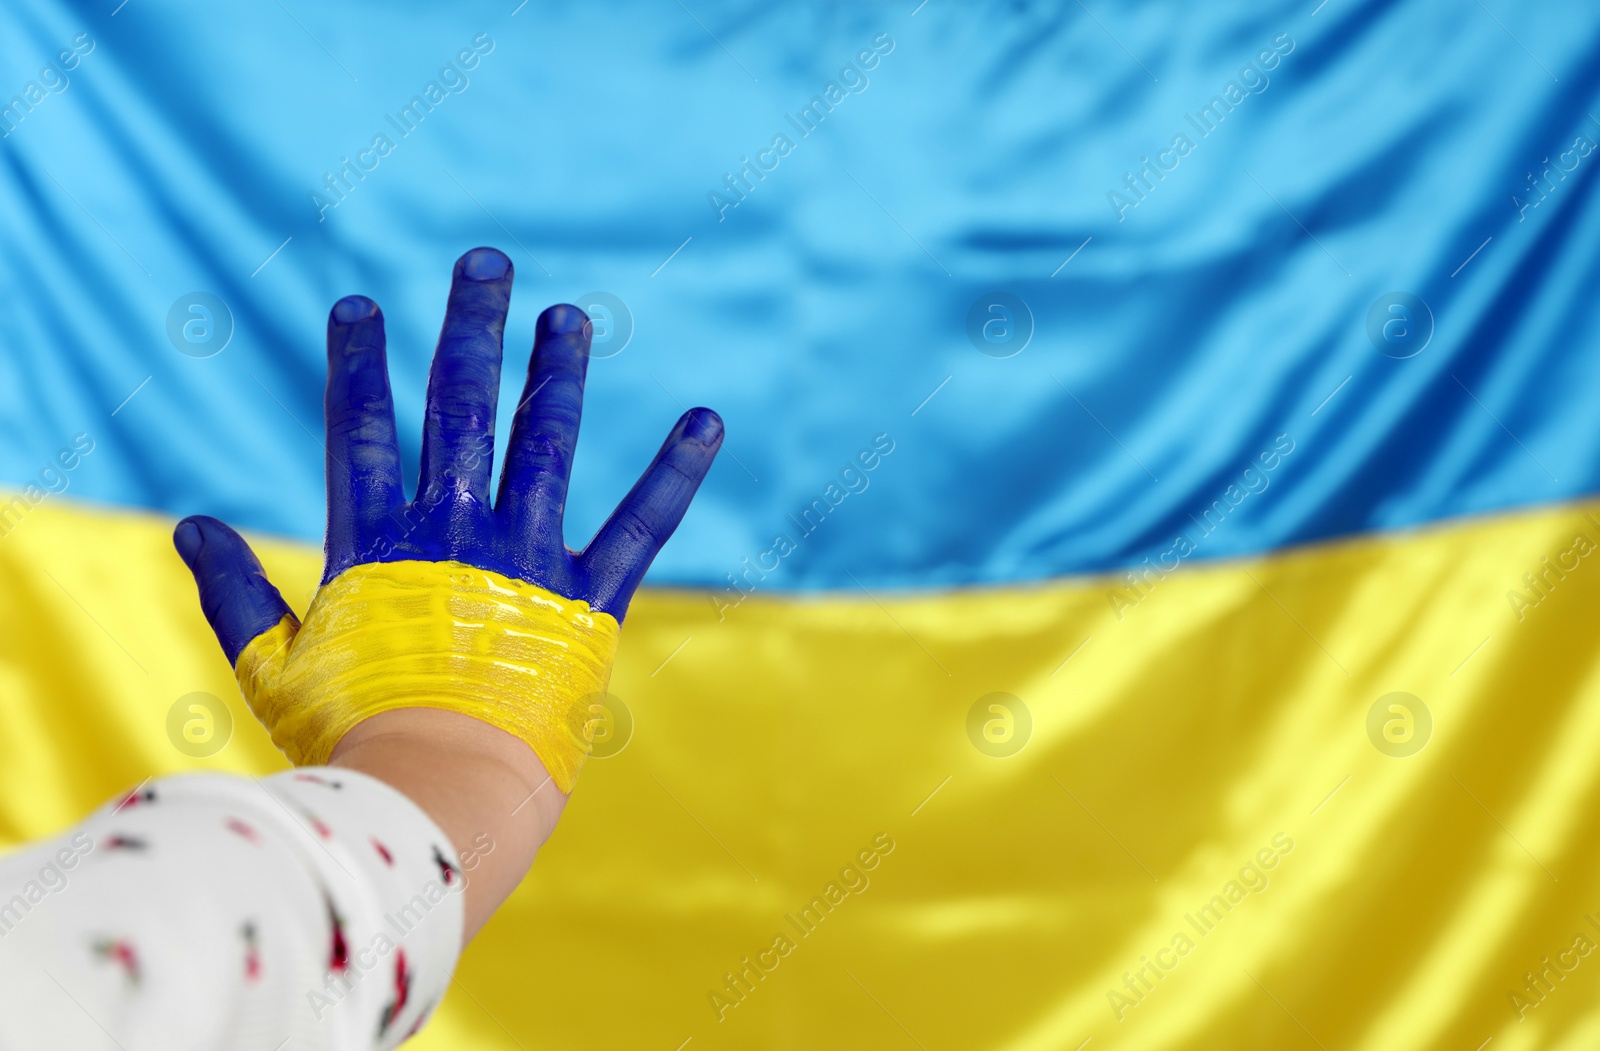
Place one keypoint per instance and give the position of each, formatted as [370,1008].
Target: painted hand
[451,519]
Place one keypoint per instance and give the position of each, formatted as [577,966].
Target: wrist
[447,635]
[485,789]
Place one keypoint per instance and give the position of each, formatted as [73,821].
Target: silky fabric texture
[1394,143]
[445,635]
[1169,748]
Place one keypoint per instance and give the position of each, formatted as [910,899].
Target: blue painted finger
[235,594]
[616,559]
[544,431]
[363,463]
[464,383]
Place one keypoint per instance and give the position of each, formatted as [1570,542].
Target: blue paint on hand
[451,517]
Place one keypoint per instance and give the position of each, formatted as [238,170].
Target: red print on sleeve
[121,842]
[252,952]
[119,951]
[402,993]
[136,798]
[446,870]
[339,951]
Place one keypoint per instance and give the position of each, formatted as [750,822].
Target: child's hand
[401,622]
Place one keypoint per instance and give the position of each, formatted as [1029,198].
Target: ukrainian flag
[1145,598]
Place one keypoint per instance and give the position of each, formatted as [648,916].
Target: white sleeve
[315,909]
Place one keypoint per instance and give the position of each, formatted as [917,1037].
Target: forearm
[484,788]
